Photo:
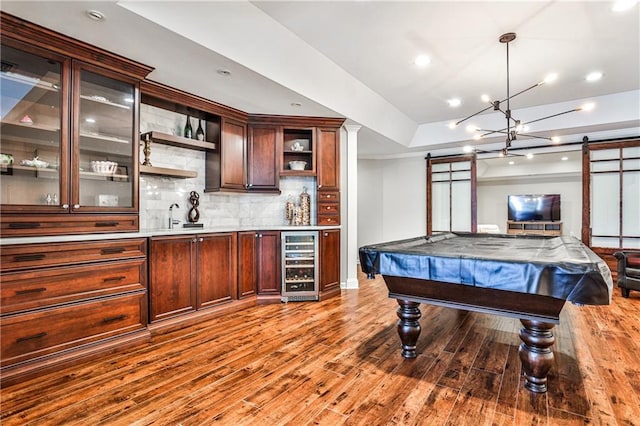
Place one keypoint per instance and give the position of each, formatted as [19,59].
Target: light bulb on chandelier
[514,127]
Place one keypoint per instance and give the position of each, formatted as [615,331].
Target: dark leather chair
[628,271]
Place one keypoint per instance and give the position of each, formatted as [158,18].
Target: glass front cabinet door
[69,142]
[104,135]
[34,135]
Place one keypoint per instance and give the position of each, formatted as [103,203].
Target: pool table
[521,276]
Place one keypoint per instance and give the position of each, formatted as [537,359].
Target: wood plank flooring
[338,362]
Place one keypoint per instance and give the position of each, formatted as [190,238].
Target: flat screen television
[534,207]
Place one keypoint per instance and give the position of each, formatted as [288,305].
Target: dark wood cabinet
[233,155]
[259,264]
[328,161]
[216,269]
[73,135]
[188,273]
[263,162]
[65,301]
[172,277]
[329,262]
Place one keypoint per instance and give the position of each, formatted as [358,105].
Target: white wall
[391,199]
[492,199]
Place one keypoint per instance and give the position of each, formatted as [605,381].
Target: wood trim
[429,195]
[296,121]
[586,194]
[149,88]
[28,32]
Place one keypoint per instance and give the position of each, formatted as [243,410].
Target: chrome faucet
[173,221]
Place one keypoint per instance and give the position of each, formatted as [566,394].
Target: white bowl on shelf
[104,167]
[297,165]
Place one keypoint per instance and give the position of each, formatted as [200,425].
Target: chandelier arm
[552,115]
[520,92]
[473,115]
[534,136]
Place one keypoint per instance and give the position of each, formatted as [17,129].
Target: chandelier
[514,127]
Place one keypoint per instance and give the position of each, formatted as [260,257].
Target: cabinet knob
[195,240]
[259,235]
[319,186]
[76,206]
[200,239]
[65,206]
[328,208]
[326,234]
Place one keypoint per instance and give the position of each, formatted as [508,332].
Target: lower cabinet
[259,264]
[329,263]
[189,273]
[66,301]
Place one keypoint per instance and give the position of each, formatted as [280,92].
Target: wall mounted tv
[534,207]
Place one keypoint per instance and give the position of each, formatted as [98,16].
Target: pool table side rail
[477,299]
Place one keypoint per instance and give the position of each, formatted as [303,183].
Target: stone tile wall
[216,209]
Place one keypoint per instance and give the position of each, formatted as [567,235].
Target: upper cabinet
[69,134]
[298,152]
[328,162]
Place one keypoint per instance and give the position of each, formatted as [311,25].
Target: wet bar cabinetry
[329,263]
[259,265]
[190,273]
[69,135]
[66,301]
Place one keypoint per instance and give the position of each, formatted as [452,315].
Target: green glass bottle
[200,132]
[188,131]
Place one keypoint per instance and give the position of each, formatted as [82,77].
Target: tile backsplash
[216,208]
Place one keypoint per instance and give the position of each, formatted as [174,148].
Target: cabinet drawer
[25,256]
[328,220]
[39,333]
[29,290]
[328,209]
[36,226]
[333,196]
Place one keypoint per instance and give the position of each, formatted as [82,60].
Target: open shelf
[534,228]
[162,171]
[178,141]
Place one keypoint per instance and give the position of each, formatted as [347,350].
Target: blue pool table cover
[559,267]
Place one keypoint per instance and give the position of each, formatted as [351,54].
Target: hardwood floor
[338,362]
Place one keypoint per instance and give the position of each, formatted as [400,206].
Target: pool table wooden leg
[408,326]
[535,353]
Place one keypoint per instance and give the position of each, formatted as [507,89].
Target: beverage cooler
[299,266]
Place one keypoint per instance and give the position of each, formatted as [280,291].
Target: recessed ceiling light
[550,78]
[529,156]
[471,128]
[485,98]
[555,139]
[588,106]
[452,125]
[477,137]
[454,102]
[564,158]
[96,15]
[223,72]
[296,104]
[593,76]
[467,148]
[422,61]
[511,163]
[623,5]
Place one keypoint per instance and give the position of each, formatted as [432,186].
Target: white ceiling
[353,59]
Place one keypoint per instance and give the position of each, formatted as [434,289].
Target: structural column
[352,205]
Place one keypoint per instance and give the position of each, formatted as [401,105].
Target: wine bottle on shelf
[200,132]
[188,131]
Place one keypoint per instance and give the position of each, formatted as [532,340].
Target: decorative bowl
[104,167]
[35,163]
[297,165]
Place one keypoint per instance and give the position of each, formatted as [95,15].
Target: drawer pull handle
[109,279]
[112,250]
[29,257]
[106,224]
[31,290]
[24,225]
[113,319]
[35,336]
